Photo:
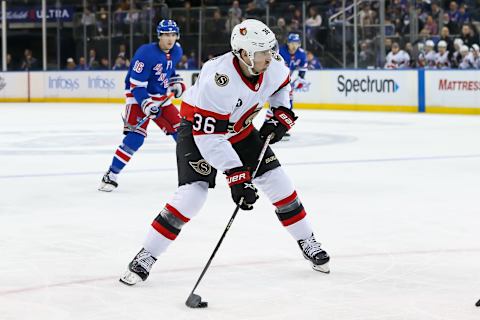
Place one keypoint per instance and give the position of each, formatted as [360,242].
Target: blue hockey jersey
[150,71]
[297,61]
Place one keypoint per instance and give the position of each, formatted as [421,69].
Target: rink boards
[437,91]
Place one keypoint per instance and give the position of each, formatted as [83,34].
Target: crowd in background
[452,22]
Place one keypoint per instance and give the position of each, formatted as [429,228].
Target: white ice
[394,198]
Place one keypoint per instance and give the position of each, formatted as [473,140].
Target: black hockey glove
[283,120]
[242,187]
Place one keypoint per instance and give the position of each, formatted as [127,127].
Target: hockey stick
[144,119]
[194,300]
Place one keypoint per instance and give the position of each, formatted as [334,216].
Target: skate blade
[106,187]
[324,268]
[130,278]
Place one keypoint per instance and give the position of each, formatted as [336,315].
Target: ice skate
[139,268]
[109,182]
[313,252]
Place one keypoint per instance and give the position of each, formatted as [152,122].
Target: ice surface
[394,198]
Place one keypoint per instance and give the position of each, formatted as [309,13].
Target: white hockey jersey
[430,58]
[397,61]
[442,61]
[223,103]
[467,62]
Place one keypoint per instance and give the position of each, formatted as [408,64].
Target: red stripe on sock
[176,213]
[287,200]
[122,155]
[294,219]
[163,231]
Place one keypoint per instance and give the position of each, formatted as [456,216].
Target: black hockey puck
[478,303]
[195,301]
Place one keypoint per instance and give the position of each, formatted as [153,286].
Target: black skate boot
[315,254]
[109,182]
[139,268]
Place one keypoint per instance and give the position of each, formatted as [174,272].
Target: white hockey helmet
[252,36]
[429,43]
[464,48]
[442,44]
[475,47]
[458,42]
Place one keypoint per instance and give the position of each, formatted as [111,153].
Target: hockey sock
[130,144]
[165,229]
[292,215]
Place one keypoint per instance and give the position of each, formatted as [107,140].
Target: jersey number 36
[205,124]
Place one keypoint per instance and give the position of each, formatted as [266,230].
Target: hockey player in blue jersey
[150,82]
[296,59]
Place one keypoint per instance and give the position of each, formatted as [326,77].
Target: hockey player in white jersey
[476,55]
[216,133]
[430,54]
[467,60]
[397,59]
[442,61]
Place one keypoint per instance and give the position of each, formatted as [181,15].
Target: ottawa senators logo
[201,166]
[221,79]
[245,120]
[243,31]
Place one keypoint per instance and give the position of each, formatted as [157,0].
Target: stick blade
[195,301]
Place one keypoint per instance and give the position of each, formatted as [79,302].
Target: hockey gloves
[150,108]
[243,191]
[176,85]
[283,120]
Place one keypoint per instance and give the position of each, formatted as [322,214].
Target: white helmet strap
[249,66]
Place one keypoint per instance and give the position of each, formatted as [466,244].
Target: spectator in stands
[93,63]
[82,64]
[235,10]
[252,12]
[71,64]
[226,26]
[445,36]
[122,51]
[192,62]
[313,62]
[437,13]
[104,65]
[88,20]
[215,25]
[430,26]
[102,22]
[463,15]
[467,35]
[10,65]
[453,12]
[120,64]
[280,30]
[182,64]
[452,26]
[29,62]
[314,18]
[366,57]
